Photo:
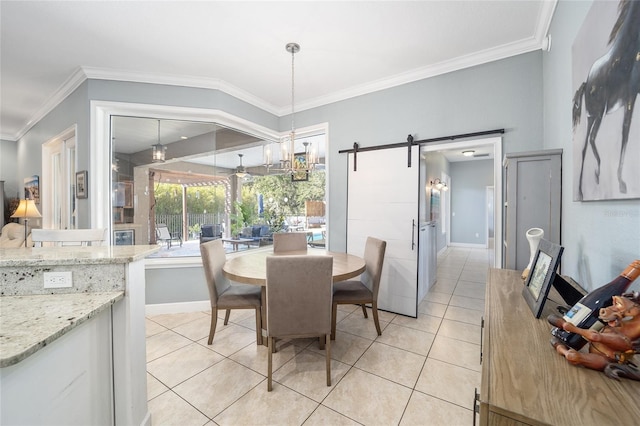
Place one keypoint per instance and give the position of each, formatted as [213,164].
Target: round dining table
[251,268]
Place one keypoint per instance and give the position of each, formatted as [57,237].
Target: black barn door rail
[410,142]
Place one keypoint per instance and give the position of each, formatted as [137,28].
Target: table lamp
[26,209]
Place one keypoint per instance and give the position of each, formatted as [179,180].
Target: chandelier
[290,161]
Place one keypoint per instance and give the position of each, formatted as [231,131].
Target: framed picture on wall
[81,185]
[32,188]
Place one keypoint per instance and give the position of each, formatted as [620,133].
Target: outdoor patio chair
[163,235]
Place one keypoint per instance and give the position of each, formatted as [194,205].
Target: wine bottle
[584,314]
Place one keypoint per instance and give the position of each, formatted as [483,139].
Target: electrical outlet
[58,279]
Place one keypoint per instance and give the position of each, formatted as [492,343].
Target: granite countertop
[28,323]
[74,255]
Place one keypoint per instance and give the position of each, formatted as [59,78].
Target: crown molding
[478,58]
[179,80]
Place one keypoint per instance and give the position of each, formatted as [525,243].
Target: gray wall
[503,94]
[469,181]
[9,168]
[175,285]
[600,237]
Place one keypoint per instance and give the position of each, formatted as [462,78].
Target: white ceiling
[348,48]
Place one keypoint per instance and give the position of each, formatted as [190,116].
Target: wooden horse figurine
[611,349]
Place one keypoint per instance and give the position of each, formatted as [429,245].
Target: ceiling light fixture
[158,154]
[439,185]
[241,172]
[468,153]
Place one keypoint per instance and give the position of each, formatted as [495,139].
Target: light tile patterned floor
[419,372]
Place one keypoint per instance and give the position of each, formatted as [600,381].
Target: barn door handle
[413,234]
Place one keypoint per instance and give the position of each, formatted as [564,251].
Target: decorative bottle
[584,314]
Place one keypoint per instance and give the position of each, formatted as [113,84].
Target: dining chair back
[299,289]
[289,241]
[366,289]
[223,294]
[68,237]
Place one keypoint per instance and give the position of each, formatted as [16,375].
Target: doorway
[495,144]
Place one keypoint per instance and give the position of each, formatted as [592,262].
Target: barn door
[383,203]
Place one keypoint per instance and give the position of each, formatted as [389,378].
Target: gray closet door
[533,197]
[383,203]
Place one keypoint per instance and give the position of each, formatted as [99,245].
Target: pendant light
[158,154]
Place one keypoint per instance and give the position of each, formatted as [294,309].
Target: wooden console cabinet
[524,381]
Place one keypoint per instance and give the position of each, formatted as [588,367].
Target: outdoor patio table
[251,268]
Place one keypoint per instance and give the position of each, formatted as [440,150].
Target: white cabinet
[426,258]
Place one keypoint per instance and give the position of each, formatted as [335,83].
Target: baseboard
[177,308]
[468,245]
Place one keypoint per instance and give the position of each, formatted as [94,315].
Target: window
[197,185]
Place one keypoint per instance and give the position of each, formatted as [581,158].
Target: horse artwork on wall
[606,79]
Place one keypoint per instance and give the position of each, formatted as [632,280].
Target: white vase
[534,235]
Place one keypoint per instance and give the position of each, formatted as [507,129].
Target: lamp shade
[26,209]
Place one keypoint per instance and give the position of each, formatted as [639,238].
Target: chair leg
[374,309]
[321,342]
[214,321]
[258,327]
[226,316]
[269,365]
[327,338]
[334,315]
[364,310]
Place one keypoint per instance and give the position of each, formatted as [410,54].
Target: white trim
[496,142]
[46,182]
[177,308]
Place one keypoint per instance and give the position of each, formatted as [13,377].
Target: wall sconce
[438,184]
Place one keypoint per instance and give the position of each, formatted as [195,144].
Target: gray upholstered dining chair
[365,291]
[299,289]
[289,241]
[223,294]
